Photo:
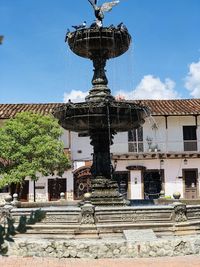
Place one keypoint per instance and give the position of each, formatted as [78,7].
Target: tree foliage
[30,146]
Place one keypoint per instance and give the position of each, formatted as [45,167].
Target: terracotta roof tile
[10,110]
[157,107]
[173,107]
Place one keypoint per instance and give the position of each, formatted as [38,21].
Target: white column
[70,185]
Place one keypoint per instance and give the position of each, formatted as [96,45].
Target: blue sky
[36,66]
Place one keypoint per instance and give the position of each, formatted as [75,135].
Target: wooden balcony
[159,150]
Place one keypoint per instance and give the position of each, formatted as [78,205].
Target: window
[189,138]
[135,140]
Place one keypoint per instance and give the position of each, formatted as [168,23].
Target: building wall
[81,150]
[42,194]
[168,140]
[173,174]
[66,138]
[120,143]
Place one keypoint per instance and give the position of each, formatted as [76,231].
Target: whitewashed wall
[155,129]
[168,140]
[120,143]
[65,137]
[42,194]
[173,170]
[81,149]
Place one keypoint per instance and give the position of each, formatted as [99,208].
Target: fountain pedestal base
[105,192]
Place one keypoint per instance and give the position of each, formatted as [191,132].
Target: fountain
[104,226]
[101,116]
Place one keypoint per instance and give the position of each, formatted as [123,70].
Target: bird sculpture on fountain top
[99,10]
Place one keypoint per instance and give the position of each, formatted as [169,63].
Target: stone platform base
[110,232]
[104,248]
[91,221]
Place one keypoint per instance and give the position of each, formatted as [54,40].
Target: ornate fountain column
[101,116]
[104,188]
[101,157]
[100,89]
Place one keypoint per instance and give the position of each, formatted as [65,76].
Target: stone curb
[96,249]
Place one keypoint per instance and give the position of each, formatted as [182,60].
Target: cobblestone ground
[185,261]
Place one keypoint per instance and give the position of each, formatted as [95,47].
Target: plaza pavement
[184,261]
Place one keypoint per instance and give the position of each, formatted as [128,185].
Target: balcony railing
[171,146]
[158,146]
[136,147]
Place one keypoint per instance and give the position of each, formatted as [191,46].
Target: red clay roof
[10,110]
[157,107]
[173,107]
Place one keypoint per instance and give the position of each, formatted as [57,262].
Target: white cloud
[75,96]
[192,81]
[152,87]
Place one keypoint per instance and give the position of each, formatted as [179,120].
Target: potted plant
[149,142]
[156,148]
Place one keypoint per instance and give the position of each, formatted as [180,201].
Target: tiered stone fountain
[101,116]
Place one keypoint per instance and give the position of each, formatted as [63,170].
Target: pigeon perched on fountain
[99,10]
[79,27]
[67,35]
[96,24]
[122,27]
[93,25]
[112,26]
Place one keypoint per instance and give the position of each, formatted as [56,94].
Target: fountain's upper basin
[87,116]
[110,42]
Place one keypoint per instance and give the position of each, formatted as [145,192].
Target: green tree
[30,146]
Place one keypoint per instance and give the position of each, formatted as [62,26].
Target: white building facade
[161,156]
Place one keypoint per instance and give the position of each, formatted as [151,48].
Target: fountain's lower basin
[174,219]
[86,116]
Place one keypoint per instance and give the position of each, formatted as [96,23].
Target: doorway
[55,187]
[190,183]
[21,189]
[153,180]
